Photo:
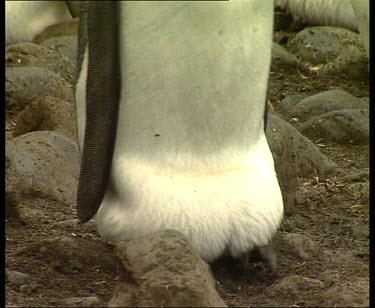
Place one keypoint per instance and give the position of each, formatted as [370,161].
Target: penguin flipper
[103,87]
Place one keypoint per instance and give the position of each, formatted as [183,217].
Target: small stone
[25,288]
[351,294]
[17,278]
[290,101]
[89,301]
[283,58]
[305,247]
[294,286]
[47,113]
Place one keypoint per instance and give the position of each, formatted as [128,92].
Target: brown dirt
[326,211]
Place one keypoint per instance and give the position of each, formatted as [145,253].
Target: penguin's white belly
[190,151]
[26,19]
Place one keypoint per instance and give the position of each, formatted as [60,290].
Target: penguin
[24,20]
[338,13]
[350,14]
[170,100]
[361,10]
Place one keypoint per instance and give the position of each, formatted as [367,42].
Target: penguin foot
[264,254]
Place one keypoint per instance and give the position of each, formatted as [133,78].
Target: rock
[89,301]
[349,294]
[65,45]
[11,208]
[363,175]
[302,246]
[320,45]
[306,155]
[163,269]
[329,276]
[361,192]
[29,288]
[283,58]
[366,100]
[16,278]
[282,147]
[351,66]
[47,113]
[294,286]
[43,164]
[289,102]
[12,193]
[65,28]
[12,198]
[30,54]
[350,126]
[281,37]
[340,257]
[324,102]
[24,84]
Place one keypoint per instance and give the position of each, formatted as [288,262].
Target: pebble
[89,301]
[294,285]
[16,278]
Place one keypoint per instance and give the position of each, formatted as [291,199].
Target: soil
[326,211]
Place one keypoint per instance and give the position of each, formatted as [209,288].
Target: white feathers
[337,13]
[80,100]
[191,153]
[362,12]
[236,208]
[26,19]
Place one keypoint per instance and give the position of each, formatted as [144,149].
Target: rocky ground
[318,131]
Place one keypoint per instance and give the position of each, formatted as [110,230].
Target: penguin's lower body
[190,151]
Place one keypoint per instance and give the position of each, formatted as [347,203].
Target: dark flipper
[102,100]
